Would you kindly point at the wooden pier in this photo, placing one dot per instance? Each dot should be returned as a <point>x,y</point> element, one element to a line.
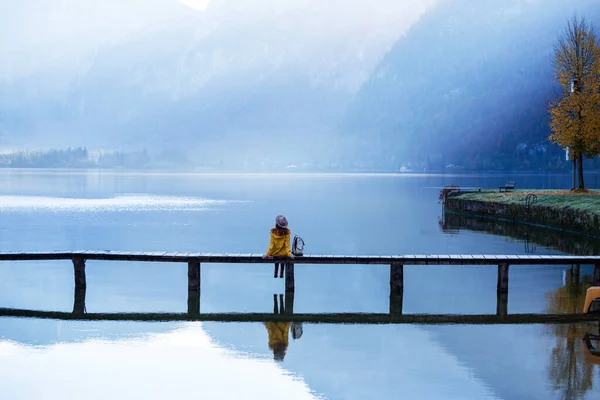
<point>396,265</point>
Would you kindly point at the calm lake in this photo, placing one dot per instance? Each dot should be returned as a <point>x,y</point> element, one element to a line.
<point>232,213</point>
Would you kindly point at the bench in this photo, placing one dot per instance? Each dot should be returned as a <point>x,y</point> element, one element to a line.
<point>508,186</point>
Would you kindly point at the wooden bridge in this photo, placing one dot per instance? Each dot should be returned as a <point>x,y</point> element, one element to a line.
<point>396,265</point>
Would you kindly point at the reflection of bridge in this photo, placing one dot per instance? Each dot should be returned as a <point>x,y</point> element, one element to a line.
<point>395,263</point>
<point>317,318</point>
<point>530,234</point>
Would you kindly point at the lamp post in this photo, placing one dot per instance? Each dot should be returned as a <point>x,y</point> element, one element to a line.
<point>571,155</point>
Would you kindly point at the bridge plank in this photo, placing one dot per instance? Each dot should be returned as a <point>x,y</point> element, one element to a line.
<point>455,259</point>
<point>350,259</point>
<point>420,259</point>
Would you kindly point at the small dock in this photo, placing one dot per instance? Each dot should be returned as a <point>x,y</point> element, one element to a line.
<point>395,264</point>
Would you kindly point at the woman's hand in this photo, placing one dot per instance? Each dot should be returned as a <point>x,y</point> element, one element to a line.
<point>292,256</point>
<point>266,257</point>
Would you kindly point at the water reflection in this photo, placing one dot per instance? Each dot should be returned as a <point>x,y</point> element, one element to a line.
<point>530,235</point>
<point>591,343</point>
<point>325,360</point>
<point>278,331</point>
<point>569,370</point>
<point>575,348</point>
<point>65,370</point>
<point>79,300</point>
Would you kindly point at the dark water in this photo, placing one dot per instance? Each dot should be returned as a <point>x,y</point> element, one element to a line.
<point>336,214</point>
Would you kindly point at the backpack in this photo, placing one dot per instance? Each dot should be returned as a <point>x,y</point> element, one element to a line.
<point>298,246</point>
<point>297,330</point>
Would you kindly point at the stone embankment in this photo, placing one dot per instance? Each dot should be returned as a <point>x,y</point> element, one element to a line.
<point>573,212</point>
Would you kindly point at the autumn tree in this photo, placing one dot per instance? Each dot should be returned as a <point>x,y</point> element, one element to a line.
<point>575,114</point>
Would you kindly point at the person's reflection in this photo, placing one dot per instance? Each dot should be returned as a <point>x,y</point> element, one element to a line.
<point>279,331</point>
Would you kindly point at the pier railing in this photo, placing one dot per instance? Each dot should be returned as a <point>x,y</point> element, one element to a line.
<point>396,265</point>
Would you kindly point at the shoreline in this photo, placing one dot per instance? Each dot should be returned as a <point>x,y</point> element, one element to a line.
<point>281,171</point>
<point>575,213</point>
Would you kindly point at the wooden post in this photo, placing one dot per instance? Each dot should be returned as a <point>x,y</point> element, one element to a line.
<point>396,288</point>
<point>597,275</point>
<point>502,303</point>
<point>289,302</point>
<point>79,300</point>
<point>290,285</point>
<point>193,287</point>
<point>396,278</point>
<point>79,271</point>
<point>396,300</point>
<point>193,303</point>
<point>503,278</point>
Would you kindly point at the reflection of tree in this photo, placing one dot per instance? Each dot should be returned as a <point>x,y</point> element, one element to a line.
<point>444,227</point>
<point>568,371</point>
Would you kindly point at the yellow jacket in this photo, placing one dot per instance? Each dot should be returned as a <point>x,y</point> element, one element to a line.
<point>279,246</point>
<point>278,333</point>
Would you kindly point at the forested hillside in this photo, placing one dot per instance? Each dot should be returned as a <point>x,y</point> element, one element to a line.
<point>467,86</point>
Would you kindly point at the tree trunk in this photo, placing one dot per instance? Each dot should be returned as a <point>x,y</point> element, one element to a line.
<point>580,162</point>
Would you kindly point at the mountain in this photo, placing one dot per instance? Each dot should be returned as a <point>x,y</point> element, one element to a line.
<point>468,85</point>
<point>238,80</point>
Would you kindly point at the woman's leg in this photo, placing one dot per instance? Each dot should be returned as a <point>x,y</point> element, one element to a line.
<point>276,269</point>
<point>275,304</point>
<point>282,270</point>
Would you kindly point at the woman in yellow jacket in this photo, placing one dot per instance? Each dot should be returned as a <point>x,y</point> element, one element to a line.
<point>279,245</point>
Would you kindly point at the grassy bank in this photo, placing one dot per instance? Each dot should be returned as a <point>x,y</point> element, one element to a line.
<point>588,202</point>
<point>565,210</point>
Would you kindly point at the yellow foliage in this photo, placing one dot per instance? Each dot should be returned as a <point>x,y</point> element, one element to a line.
<point>575,115</point>
<point>575,123</point>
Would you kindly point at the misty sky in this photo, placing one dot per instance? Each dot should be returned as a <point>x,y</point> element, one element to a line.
<point>55,36</point>
<point>137,72</point>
